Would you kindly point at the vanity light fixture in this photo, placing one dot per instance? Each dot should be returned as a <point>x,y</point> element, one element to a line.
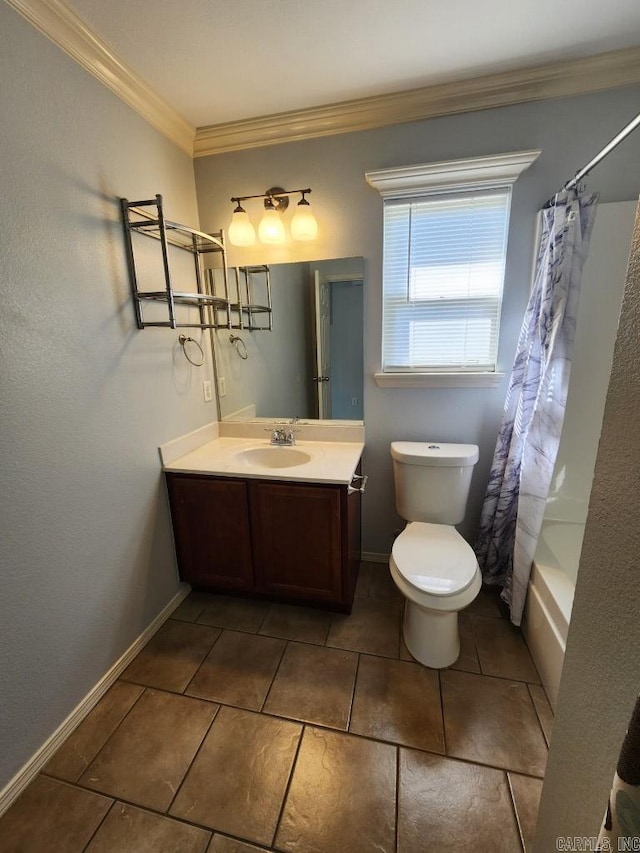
<point>241,231</point>
<point>271,229</point>
<point>303,224</point>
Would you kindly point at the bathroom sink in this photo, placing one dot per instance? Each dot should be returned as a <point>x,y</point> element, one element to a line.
<point>274,457</point>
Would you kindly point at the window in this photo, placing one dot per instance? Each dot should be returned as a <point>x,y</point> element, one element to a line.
<point>444,249</point>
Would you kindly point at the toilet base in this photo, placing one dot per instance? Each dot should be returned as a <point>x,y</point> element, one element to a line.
<point>431,636</point>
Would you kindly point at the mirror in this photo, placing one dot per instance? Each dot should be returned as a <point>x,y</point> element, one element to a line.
<point>310,364</point>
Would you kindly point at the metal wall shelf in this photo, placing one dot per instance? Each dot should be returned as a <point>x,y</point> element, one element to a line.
<point>245,311</point>
<point>147,218</point>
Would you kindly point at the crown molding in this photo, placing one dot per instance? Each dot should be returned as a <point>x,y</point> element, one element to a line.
<point>553,80</point>
<point>59,23</point>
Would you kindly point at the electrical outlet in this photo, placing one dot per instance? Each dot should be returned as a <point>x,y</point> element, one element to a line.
<point>206,391</point>
<point>222,386</point>
<point>354,401</point>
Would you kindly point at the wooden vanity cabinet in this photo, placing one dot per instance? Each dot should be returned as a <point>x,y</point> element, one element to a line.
<point>296,542</point>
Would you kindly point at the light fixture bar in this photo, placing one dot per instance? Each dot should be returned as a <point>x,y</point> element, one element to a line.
<point>240,198</point>
<point>271,229</point>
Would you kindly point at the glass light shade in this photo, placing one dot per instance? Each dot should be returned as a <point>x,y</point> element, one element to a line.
<point>303,224</point>
<point>271,228</point>
<point>241,232</point>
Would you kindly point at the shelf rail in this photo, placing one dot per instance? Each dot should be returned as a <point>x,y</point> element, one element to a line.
<point>146,217</point>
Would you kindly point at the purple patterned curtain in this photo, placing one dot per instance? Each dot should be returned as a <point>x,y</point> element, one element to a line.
<point>528,440</point>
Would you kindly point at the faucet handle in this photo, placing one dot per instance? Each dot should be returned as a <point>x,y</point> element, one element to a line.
<point>289,436</point>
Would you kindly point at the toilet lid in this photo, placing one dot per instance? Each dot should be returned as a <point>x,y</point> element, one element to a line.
<point>434,558</point>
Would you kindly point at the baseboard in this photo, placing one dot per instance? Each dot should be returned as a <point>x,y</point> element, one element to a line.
<point>372,557</point>
<point>16,786</point>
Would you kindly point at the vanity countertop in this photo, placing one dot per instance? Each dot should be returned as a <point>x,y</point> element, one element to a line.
<point>232,456</point>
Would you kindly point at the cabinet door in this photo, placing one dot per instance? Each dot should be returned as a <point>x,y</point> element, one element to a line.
<point>297,541</point>
<point>211,530</point>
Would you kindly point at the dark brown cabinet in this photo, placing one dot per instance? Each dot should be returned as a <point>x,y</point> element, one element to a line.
<point>296,542</point>
<point>211,531</point>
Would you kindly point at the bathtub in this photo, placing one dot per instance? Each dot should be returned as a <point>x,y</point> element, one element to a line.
<point>550,598</point>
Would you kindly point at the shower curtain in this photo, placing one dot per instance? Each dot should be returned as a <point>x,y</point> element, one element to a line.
<point>528,440</point>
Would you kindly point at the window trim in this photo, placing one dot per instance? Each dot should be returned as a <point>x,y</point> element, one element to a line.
<point>496,170</point>
<point>428,179</point>
<point>462,379</point>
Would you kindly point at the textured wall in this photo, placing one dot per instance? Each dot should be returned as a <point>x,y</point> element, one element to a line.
<point>601,676</point>
<point>87,557</point>
<point>350,219</point>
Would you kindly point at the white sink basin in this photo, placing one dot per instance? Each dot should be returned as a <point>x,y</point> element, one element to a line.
<point>274,457</point>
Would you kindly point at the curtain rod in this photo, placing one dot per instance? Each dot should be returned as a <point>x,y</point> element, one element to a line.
<point>602,154</point>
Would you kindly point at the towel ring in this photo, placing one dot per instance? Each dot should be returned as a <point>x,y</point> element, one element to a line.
<point>184,340</point>
<point>239,345</point>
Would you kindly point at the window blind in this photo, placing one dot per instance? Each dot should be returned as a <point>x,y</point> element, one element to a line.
<point>443,273</point>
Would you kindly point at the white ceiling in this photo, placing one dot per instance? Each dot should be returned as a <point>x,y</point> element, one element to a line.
<point>218,61</point>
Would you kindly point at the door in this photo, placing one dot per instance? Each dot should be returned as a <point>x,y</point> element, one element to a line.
<point>322,376</point>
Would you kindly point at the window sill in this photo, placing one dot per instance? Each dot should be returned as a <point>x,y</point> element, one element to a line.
<point>438,380</point>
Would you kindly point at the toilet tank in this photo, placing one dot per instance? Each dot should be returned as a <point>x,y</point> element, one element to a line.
<point>432,480</point>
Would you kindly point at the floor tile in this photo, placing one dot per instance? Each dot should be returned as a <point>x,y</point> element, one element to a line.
<point>381,585</point>
<point>342,796</point>
<point>131,830</point>
<point>468,658</point>
<point>172,656</point>
<point>191,607</point>
<point>147,757</point>
<point>399,702</point>
<point>296,623</point>
<point>526,798</point>
<point>239,614</point>
<point>543,710</point>
<point>314,684</point>
<point>84,743</point>
<point>492,721</point>
<point>238,670</point>
<point>447,806</point>
<point>373,627</point>
<point>502,650</point>
<point>224,844</point>
<point>51,815</point>
<point>364,579</point>
<point>486,603</point>
<point>239,778</point>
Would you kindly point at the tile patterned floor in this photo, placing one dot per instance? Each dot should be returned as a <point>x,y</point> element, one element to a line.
<point>245,726</point>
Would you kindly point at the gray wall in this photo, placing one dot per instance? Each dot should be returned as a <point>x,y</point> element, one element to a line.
<point>349,212</point>
<point>86,398</point>
<point>601,676</point>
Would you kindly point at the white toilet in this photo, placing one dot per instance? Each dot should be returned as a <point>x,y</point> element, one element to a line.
<point>431,564</point>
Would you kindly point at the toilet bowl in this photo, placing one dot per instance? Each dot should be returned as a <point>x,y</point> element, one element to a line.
<point>437,573</point>
<point>431,564</point>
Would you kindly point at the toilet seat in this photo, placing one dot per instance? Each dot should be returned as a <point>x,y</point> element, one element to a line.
<point>434,559</point>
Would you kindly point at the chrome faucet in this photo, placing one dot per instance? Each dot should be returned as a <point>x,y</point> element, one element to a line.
<point>283,437</point>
